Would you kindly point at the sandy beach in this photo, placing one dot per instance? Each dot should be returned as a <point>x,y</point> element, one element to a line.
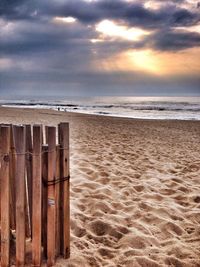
<point>135,189</point>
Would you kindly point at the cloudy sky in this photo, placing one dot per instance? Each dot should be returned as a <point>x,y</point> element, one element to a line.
<point>59,48</point>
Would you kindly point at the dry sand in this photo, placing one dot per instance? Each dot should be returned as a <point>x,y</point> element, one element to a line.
<point>135,189</point>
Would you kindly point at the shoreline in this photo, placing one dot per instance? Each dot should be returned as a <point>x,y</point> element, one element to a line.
<point>98,115</point>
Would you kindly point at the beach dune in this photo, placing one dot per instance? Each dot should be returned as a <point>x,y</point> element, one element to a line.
<point>135,189</point>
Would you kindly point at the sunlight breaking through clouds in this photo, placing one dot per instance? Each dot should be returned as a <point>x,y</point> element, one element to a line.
<point>111,29</point>
<point>159,64</point>
<point>145,60</point>
<point>64,19</point>
<point>195,28</point>
<point>157,4</point>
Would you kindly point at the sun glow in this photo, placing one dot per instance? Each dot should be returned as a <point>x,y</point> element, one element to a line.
<point>94,41</point>
<point>154,62</point>
<point>64,19</point>
<point>111,29</point>
<point>164,63</point>
<point>153,4</point>
<point>145,60</point>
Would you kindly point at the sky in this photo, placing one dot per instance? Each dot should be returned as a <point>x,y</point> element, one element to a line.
<point>60,48</point>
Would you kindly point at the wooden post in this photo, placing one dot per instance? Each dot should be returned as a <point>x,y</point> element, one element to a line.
<point>57,197</point>
<point>5,193</point>
<point>29,150</point>
<point>44,197</point>
<point>12,181</point>
<point>19,139</point>
<point>64,190</point>
<point>51,214</point>
<point>46,134</point>
<point>37,196</point>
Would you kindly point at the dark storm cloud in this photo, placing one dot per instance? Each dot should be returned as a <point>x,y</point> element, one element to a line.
<point>133,13</point>
<point>172,40</point>
<point>39,33</point>
<point>13,10</point>
<point>37,37</point>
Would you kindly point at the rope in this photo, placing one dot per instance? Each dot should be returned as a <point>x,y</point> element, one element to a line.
<point>55,181</point>
<point>2,155</point>
<point>6,157</point>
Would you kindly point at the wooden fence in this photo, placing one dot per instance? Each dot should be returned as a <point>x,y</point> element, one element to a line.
<point>34,194</point>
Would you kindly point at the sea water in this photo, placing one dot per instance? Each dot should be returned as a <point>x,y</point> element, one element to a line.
<point>179,108</point>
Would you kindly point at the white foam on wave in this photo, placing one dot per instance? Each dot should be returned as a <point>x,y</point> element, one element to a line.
<point>187,108</point>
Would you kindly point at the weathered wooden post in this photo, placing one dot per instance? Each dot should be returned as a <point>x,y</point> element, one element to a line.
<point>51,211</point>
<point>44,197</point>
<point>12,164</point>
<point>5,195</point>
<point>37,196</point>
<point>29,181</point>
<point>64,190</point>
<point>57,198</point>
<point>19,140</point>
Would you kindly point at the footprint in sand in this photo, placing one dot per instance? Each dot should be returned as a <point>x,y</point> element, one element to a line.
<point>99,227</point>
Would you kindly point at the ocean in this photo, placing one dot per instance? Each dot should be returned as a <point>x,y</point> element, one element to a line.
<point>164,108</point>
